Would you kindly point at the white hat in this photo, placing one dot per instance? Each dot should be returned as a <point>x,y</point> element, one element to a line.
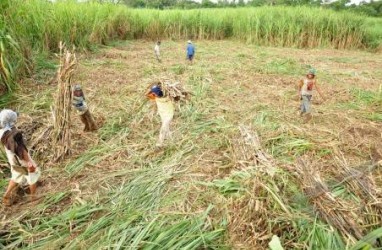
<point>8,119</point>
<point>189,41</point>
<point>77,87</point>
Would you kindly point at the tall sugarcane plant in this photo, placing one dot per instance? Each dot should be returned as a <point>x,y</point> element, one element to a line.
<point>7,72</point>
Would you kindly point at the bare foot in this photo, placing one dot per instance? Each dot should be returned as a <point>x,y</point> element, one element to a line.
<point>7,201</point>
<point>308,117</point>
<point>32,198</point>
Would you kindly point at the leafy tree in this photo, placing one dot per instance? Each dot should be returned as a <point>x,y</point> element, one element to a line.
<point>135,3</point>
<point>374,8</point>
<point>207,4</point>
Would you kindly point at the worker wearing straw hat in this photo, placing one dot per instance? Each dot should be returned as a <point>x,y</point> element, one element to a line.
<point>190,51</point>
<point>165,110</point>
<point>305,93</point>
<point>23,168</point>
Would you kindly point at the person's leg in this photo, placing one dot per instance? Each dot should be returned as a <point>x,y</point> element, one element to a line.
<point>84,121</point>
<point>167,129</point>
<point>308,117</point>
<point>91,125</point>
<point>302,106</point>
<point>164,132</point>
<point>32,189</point>
<point>161,136</point>
<point>7,196</point>
<point>32,179</point>
<point>307,108</point>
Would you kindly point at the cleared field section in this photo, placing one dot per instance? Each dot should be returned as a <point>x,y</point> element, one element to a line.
<point>315,187</point>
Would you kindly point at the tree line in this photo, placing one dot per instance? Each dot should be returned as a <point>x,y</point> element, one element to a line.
<point>373,8</point>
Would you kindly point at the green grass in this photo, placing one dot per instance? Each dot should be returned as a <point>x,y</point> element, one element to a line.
<point>373,37</point>
<point>90,158</point>
<point>128,216</point>
<point>369,240</point>
<point>7,99</point>
<point>368,97</point>
<point>375,117</point>
<point>283,66</point>
<point>364,100</point>
<point>288,146</point>
<point>178,69</point>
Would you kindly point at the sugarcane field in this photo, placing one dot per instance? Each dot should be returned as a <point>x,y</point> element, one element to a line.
<point>121,132</point>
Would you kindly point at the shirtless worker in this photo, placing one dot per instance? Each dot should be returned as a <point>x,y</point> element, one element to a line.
<point>305,93</point>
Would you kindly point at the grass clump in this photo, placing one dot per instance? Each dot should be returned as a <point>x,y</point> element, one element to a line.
<point>130,218</point>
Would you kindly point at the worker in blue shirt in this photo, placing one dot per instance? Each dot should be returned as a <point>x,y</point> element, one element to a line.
<point>190,51</point>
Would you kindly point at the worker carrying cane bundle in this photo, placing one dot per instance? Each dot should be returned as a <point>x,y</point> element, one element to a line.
<point>165,95</point>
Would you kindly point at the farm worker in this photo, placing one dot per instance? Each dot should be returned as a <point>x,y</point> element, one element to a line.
<point>190,51</point>
<point>157,51</point>
<point>165,110</point>
<point>23,169</point>
<point>80,105</point>
<point>305,92</point>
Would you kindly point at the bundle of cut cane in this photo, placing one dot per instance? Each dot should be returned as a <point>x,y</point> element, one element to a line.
<point>363,185</point>
<point>336,212</point>
<point>62,107</point>
<point>173,90</point>
<point>251,152</point>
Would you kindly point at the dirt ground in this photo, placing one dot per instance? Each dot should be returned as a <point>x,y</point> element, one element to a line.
<point>232,84</point>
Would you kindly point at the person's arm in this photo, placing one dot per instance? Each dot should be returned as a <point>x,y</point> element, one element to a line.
<point>28,159</point>
<point>300,84</point>
<point>319,90</point>
<point>22,153</point>
<point>30,164</point>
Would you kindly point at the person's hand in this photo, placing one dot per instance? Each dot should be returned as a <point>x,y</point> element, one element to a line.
<point>31,167</point>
